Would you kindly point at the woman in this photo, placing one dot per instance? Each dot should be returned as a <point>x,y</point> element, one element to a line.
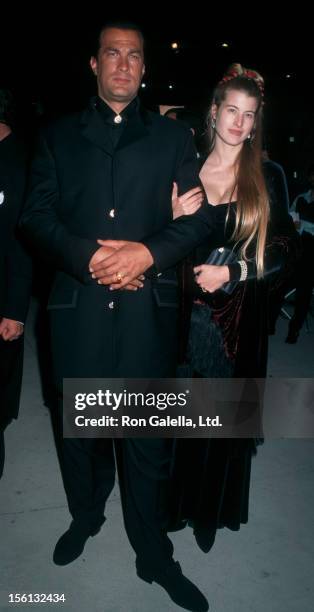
<point>228,330</point>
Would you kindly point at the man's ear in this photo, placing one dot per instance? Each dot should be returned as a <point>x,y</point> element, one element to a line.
<point>143,70</point>
<point>93,64</point>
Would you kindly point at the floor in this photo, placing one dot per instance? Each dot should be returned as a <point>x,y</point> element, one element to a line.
<point>268,565</point>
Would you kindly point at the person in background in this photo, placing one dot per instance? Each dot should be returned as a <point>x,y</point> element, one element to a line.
<point>15,268</point>
<point>278,289</point>
<point>191,120</point>
<point>303,207</point>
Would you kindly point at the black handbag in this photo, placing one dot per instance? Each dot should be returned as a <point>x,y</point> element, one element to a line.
<point>223,256</point>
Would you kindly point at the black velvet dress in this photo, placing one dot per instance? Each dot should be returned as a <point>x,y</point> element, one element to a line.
<point>228,337</point>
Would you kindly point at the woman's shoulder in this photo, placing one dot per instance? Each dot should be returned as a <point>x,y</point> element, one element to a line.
<point>272,170</point>
<point>276,184</point>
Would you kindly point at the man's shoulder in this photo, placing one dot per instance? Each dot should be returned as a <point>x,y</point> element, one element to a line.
<point>166,125</point>
<point>272,169</point>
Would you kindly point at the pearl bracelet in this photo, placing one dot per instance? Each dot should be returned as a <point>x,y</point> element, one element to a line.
<point>244,270</point>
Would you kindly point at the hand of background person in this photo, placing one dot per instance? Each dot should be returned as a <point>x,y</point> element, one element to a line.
<point>210,278</point>
<point>124,266</point>
<point>10,329</point>
<point>188,203</point>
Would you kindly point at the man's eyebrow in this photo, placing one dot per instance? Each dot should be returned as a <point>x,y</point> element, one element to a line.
<point>131,50</point>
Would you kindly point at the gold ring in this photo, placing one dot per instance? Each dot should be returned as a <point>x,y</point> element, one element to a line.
<point>119,277</point>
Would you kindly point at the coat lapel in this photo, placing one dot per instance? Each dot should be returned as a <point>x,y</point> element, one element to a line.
<point>92,127</point>
<point>136,129</point>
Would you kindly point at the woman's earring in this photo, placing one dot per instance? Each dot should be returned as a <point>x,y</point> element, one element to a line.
<point>213,123</point>
<point>249,137</point>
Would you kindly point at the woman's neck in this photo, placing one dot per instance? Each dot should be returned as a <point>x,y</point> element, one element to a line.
<point>224,155</point>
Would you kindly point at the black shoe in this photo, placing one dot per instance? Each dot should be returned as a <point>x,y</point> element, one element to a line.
<point>205,537</point>
<point>292,336</point>
<point>96,526</point>
<point>179,588</point>
<point>71,544</point>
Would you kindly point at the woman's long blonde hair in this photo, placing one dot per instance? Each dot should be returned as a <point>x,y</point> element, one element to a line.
<point>252,213</point>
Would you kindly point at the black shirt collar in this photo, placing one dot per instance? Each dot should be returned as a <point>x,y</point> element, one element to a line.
<point>109,115</point>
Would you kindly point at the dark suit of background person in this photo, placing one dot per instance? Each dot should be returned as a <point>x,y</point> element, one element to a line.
<point>95,178</point>
<point>15,271</point>
<point>304,281</point>
<point>277,184</point>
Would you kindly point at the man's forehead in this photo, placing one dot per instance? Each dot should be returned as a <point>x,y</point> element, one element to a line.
<point>113,37</point>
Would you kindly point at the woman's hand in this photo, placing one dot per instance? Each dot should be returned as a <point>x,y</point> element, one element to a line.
<point>188,203</point>
<point>210,278</point>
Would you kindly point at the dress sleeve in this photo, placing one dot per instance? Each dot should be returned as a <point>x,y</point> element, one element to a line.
<point>283,242</point>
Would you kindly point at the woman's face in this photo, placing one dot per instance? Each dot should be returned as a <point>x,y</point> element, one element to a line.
<point>235,117</point>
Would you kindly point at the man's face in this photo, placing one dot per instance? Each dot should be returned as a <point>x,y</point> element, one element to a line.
<point>119,66</point>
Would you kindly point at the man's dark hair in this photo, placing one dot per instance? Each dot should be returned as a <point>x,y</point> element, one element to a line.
<point>119,25</point>
<point>310,170</point>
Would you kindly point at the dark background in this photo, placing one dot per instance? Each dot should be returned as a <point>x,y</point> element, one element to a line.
<point>45,54</point>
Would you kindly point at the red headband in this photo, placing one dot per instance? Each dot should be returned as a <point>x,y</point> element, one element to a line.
<point>236,70</point>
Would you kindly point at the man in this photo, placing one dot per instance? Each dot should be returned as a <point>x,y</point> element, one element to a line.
<point>108,173</point>
<point>15,273</point>
<point>303,205</point>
